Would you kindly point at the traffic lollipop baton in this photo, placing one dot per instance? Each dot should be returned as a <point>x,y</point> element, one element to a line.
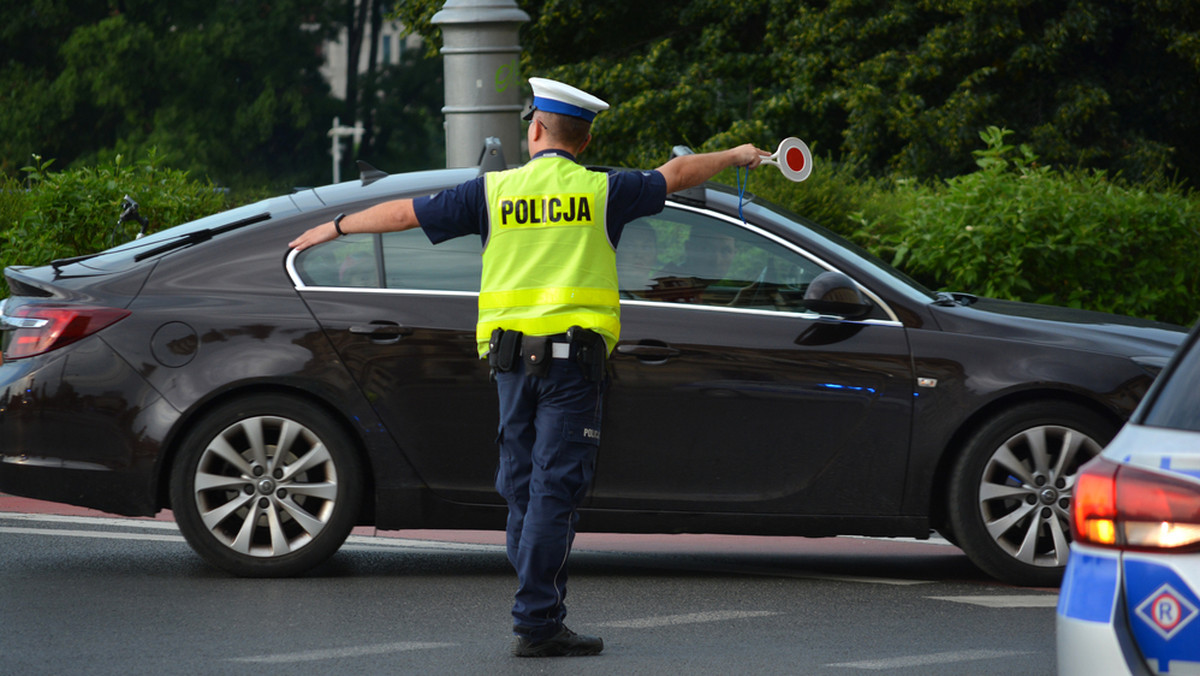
<point>793,158</point>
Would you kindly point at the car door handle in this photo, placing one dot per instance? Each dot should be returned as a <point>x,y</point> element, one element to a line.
<point>648,352</point>
<point>381,330</point>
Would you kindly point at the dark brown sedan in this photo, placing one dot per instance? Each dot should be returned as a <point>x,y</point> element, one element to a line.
<point>770,379</point>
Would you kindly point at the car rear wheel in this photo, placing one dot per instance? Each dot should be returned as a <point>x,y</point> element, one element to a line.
<point>1011,489</point>
<point>266,486</point>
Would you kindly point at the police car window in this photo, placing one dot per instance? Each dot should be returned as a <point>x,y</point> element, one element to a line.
<point>349,261</point>
<point>680,256</point>
<point>411,262</point>
<point>1177,404</point>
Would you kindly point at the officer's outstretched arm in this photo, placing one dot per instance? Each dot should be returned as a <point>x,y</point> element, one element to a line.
<point>688,171</point>
<point>386,217</point>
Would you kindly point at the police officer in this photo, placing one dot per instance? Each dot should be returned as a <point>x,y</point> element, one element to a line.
<point>549,315</point>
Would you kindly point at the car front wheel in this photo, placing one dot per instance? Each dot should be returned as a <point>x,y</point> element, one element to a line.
<point>1011,489</point>
<point>266,486</point>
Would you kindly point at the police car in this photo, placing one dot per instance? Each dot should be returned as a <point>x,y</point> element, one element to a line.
<point>1130,600</point>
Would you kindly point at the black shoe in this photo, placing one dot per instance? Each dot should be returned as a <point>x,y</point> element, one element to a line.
<point>565,643</point>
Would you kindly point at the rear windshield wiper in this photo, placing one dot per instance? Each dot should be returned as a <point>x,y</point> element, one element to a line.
<point>183,240</point>
<point>201,236</point>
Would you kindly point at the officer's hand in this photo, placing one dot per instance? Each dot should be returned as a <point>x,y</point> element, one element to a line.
<point>749,156</point>
<point>324,232</point>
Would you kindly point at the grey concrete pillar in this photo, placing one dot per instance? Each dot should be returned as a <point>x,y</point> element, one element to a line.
<point>481,56</point>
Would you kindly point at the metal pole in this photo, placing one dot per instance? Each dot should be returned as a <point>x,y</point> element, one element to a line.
<point>482,72</point>
<point>336,132</point>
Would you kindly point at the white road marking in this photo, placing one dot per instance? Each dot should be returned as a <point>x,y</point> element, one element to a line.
<point>688,618</point>
<point>933,658</point>
<point>374,543</point>
<point>61,532</point>
<point>340,653</point>
<point>866,580</point>
<point>1009,601</point>
<point>366,542</point>
<point>90,520</point>
<point>354,542</point>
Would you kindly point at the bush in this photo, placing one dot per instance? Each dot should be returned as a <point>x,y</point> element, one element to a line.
<point>54,215</point>
<point>832,193</point>
<point>1017,230</point>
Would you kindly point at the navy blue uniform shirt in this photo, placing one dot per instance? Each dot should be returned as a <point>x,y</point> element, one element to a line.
<point>462,210</point>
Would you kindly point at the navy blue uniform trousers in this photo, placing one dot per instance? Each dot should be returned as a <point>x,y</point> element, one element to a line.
<point>548,439</point>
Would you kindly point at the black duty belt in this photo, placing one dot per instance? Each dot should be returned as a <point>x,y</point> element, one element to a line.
<point>584,346</point>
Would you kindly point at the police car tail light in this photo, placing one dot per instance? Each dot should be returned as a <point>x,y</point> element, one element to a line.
<point>1094,510</point>
<point>34,329</point>
<point>1133,508</point>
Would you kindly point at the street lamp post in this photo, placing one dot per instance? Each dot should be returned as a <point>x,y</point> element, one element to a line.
<point>483,83</point>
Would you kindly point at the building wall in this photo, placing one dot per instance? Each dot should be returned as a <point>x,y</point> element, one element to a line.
<point>392,47</point>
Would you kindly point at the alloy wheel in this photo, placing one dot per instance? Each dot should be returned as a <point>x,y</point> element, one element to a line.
<point>1025,492</point>
<point>266,486</point>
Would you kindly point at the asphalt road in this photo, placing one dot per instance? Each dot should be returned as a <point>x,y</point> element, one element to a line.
<point>82,594</point>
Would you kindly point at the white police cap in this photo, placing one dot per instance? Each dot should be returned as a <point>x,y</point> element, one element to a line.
<point>556,97</point>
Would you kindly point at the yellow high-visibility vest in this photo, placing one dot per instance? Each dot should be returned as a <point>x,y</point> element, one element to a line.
<point>548,264</point>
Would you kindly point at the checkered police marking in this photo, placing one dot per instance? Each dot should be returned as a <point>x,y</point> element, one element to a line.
<point>1166,611</point>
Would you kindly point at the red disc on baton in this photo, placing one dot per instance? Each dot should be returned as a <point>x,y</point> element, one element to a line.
<point>793,158</point>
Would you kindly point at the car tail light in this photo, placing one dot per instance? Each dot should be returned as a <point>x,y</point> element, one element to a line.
<point>1131,508</point>
<point>38,328</point>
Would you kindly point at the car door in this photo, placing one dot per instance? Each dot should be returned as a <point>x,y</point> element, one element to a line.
<point>729,396</point>
<point>726,396</point>
<point>401,313</point>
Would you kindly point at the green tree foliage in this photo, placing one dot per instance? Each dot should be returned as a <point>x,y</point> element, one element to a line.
<point>901,86</point>
<point>48,214</point>
<point>1095,83</point>
<point>407,100</point>
<point>1021,230</point>
<point>1103,89</point>
<point>230,90</point>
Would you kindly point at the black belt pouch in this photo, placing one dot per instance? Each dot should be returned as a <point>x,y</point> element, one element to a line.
<point>591,352</point>
<point>504,348</point>
<point>536,350</point>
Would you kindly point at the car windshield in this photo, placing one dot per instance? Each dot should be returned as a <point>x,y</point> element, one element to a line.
<point>1177,402</point>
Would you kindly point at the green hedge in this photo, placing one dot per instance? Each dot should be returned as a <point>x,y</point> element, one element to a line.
<point>51,215</point>
<point>1019,230</point>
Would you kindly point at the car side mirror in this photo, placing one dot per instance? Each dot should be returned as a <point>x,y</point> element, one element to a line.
<point>833,293</point>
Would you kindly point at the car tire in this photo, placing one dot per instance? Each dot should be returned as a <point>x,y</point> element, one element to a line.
<point>266,486</point>
<point>1010,490</point>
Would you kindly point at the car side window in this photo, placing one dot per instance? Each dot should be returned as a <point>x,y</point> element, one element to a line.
<point>410,261</point>
<point>680,256</point>
<point>349,261</point>
<point>676,256</point>
<point>1177,405</point>
<point>402,260</point>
